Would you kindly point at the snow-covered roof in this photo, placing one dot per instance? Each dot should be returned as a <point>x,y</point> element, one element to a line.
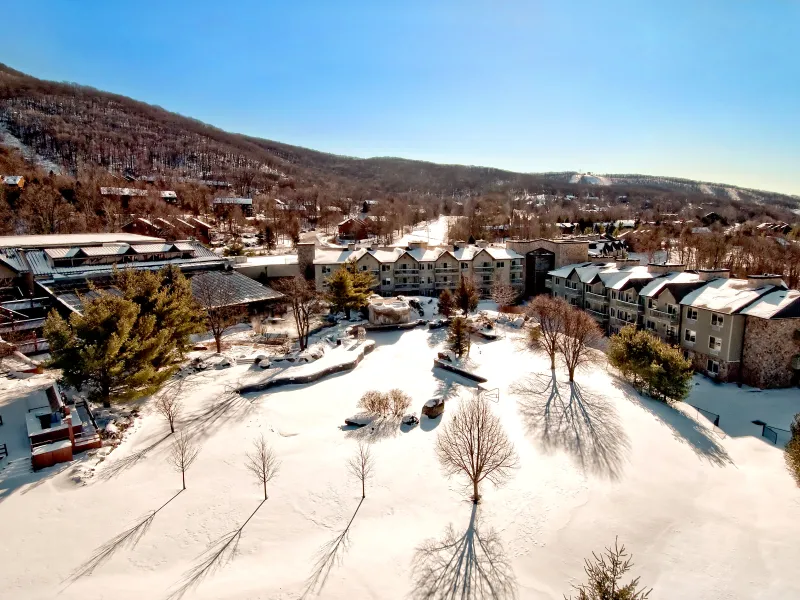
<point>169,194</point>
<point>566,270</point>
<point>12,179</point>
<point>237,201</point>
<point>653,288</point>
<point>281,259</point>
<point>726,296</point>
<point>117,191</point>
<point>778,304</point>
<point>502,253</point>
<point>72,239</point>
<point>425,254</point>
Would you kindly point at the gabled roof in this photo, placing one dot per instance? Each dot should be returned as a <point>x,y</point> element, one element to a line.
<point>117,191</point>
<point>169,194</point>
<point>12,179</point>
<point>777,304</point>
<point>727,296</point>
<point>502,253</point>
<point>653,289</point>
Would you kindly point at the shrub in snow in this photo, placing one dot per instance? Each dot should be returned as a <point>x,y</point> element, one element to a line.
<point>374,403</point>
<point>399,402</point>
<point>793,450</point>
<point>604,573</point>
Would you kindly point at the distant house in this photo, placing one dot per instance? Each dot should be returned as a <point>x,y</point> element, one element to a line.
<point>123,194</point>
<point>14,180</point>
<point>353,229</point>
<point>169,196</point>
<point>141,226</point>
<point>202,230</point>
<point>225,204</point>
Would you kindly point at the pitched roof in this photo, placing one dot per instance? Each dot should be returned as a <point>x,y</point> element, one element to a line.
<point>169,194</point>
<point>727,296</point>
<point>655,286</point>
<point>243,289</point>
<point>117,191</point>
<point>237,201</point>
<point>777,304</point>
<point>72,239</point>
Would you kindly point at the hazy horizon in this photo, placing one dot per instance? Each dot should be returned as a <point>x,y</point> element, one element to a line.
<point>698,92</point>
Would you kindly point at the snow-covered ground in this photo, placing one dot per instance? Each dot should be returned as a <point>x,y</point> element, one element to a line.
<point>708,514</point>
<point>433,232</point>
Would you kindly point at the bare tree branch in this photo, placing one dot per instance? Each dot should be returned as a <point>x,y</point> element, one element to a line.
<point>182,454</point>
<point>361,465</point>
<point>262,462</point>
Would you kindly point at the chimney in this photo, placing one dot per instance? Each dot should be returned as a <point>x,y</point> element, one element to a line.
<point>709,274</point>
<point>657,269</point>
<point>480,243</point>
<point>757,281</point>
<point>351,246</point>
<point>305,259</point>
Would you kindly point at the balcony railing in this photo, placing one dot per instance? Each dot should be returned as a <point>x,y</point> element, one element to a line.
<point>596,297</point>
<point>572,292</point>
<point>447,269</point>
<point>629,305</point>
<point>597,314</point>
<point>406,286</point>
<point>483,269</point>
<point>631,320</point>
<point>445,284</point>
<point>400,271</point>
<point>714,351</point>
<point>548,283</point>
<point>516,267</point>
<point>663,316</point>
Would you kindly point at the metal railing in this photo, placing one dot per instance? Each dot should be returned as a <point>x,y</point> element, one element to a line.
<point>597,297</point>
<point>572,292</point>
<point>663,316</point>
<point>483,269</point>
<point>516,267</point>
<point>446,269</point>
<point>596,313</point>
<point>772,433</point>
<point>713,417</point>
<point>400,272</point>
<point>630,305</point>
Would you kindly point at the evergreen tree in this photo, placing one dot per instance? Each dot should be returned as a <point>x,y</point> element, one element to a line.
<point>650,364</point>
<point>339,291</point>
<point>458,338</point>
<point>100,349</point>
<point>466,295</point>
<point>446,303</point>
<point>269,238</point>
<point>604,573</point>
<point>168,313</point>
<point>362,282</point>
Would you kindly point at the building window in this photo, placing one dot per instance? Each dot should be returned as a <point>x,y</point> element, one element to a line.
<point>716,320</point>
<point>712,367</point>
<point>558,281</point>
<point>501,264</point>
<point>651,325</point>
<point>430,280</point>
<point>326,270</point>
<point>613,295</point>
<point>430,266</point>
<point>691,314</point>
<point>464,265</point>
<point>613,313</point>
<point>363,267</point>
<point>651,304</point>
<point>386,267</point>
<point>690,336</point>
<point>714,343</point>
<point>387,282</point>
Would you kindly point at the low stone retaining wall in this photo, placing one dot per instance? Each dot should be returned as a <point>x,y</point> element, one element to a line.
<point>393,327</point>
<point>311,377</point>
<point>443,364</point>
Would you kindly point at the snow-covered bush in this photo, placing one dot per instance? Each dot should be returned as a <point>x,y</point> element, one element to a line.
<point>399,402</point>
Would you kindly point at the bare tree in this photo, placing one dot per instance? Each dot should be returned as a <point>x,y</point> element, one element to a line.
<point>474,443</point>
<point>169,405</point>
<point>182,454</point>
<point>216,292</point>
<point>262,462</point>
<point>580,332</point>
<point>503,294</point>
<point>361,465</point>
<point>304,299</point>
<point>549,314</point>
<point>604,574</point>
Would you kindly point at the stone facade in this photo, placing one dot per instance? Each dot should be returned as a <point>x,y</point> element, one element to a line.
<point>728,370</point>
<point>769,347</point>
<point>566,252</point>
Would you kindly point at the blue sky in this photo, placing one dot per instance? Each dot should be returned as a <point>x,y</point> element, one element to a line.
<point>701,89</point>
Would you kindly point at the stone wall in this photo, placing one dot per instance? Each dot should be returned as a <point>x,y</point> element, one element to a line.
<point>305,258</point>
<point>728,371</point>
<point>769,347</point>
<point>566,252</point>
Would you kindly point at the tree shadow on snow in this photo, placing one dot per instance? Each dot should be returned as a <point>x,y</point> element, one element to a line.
<point>228,406</point>
<point>116,467</point>
<point>127,539</point>
<point>684,429</point>
<point>329,555</point>
<point>566,418</point>
<point>437,337</point>
<point>379,429</point>
<point>218,554</point>
<point>469,566</point>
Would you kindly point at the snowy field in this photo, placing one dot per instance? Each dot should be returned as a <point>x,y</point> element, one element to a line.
<point>708,514</point>
<point>433,232</point>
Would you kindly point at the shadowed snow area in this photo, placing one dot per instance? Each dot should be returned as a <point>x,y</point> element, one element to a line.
<point>707,512</point>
